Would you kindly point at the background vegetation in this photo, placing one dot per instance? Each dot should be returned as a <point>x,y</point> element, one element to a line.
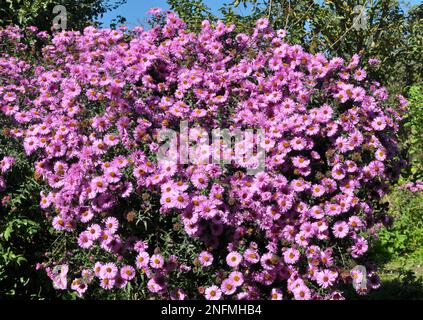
<point>39,13</point>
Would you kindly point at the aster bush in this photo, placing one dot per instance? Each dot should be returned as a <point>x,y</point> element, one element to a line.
<point>91,109</point>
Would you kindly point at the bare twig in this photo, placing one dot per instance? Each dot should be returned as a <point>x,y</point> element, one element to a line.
<point>270,9</point>
<point>298,20</point>
<point>341,37</point>
<point>287,15</point>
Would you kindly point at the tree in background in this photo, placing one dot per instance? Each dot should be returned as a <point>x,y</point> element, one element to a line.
<point>39,13</point>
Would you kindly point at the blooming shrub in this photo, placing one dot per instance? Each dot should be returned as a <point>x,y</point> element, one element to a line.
<point>91,109</point>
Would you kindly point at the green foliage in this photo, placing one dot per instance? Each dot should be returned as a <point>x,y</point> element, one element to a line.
<point>413,135</point>
<point>191,12</point>
<point>406,234</point>
<point>23,237</point>
<point>39,13</point>
<point>23,230</point>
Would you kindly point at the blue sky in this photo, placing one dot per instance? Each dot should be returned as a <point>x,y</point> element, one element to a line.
<point>135,10</point>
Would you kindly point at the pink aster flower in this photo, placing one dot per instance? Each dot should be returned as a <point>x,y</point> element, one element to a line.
<point>285,203</point>
<point>178,294</point>
<point>108,270</point>
<point>154,286</point>
<point>338,173</point>
<point>120,282</point>
<point>45,202</point>
<point>86,215</point>
<point>156,261</point>
<point>154,11</point>
<point>107,283</point>
<point>360,74</point>
<point>317,212</point>
<point>332,209</point>
<point>6,163</point>
<point>140,246</point>
<point>237,278</point>
<point>317,190</point>
<point>291,255</point>
<point>213,293</point>
<point>357,276</point>
<point>379,123</point>
<point>326,278</point>
<point>207,210</point>
<point>380,154</point>
<point>374,280</point>
<point>84,241</point>
<point>302,293</point>
<point>126,189</point>
<point>298,185</point>
<point>9,96</point>
<point>30,145</point>
<point>97,269</point>
<point>98,185</point>
<point>276,294</point>
<point>233,259</point>
<point>59,223</point>
<point>251,256</point>
<point>300,162</point>
<point>181,200</point>
<point>142,260</point>
<point>266,261</point>
<point>112,175</point>
<point>94,232</point>
<point>206,258</point>
<point>228,287</point>
<point>355,222</point>
<point>262,23</point>
<point>340,229</point>
<point>127,272</point>
<point>298,143</point>
<point>111,140</point>
<point>111,224</point>
<point>359,248</point>
<point>200,181</point>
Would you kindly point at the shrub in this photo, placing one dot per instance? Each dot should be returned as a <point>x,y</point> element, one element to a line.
<point>412,138</point>
<point>91,112</point>
<point>406,233</point>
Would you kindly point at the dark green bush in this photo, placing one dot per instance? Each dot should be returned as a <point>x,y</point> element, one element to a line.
<point>406,234</point>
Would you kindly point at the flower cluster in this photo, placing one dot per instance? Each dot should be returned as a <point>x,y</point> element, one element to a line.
<point>412,186</point>
<point>90,110</point>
